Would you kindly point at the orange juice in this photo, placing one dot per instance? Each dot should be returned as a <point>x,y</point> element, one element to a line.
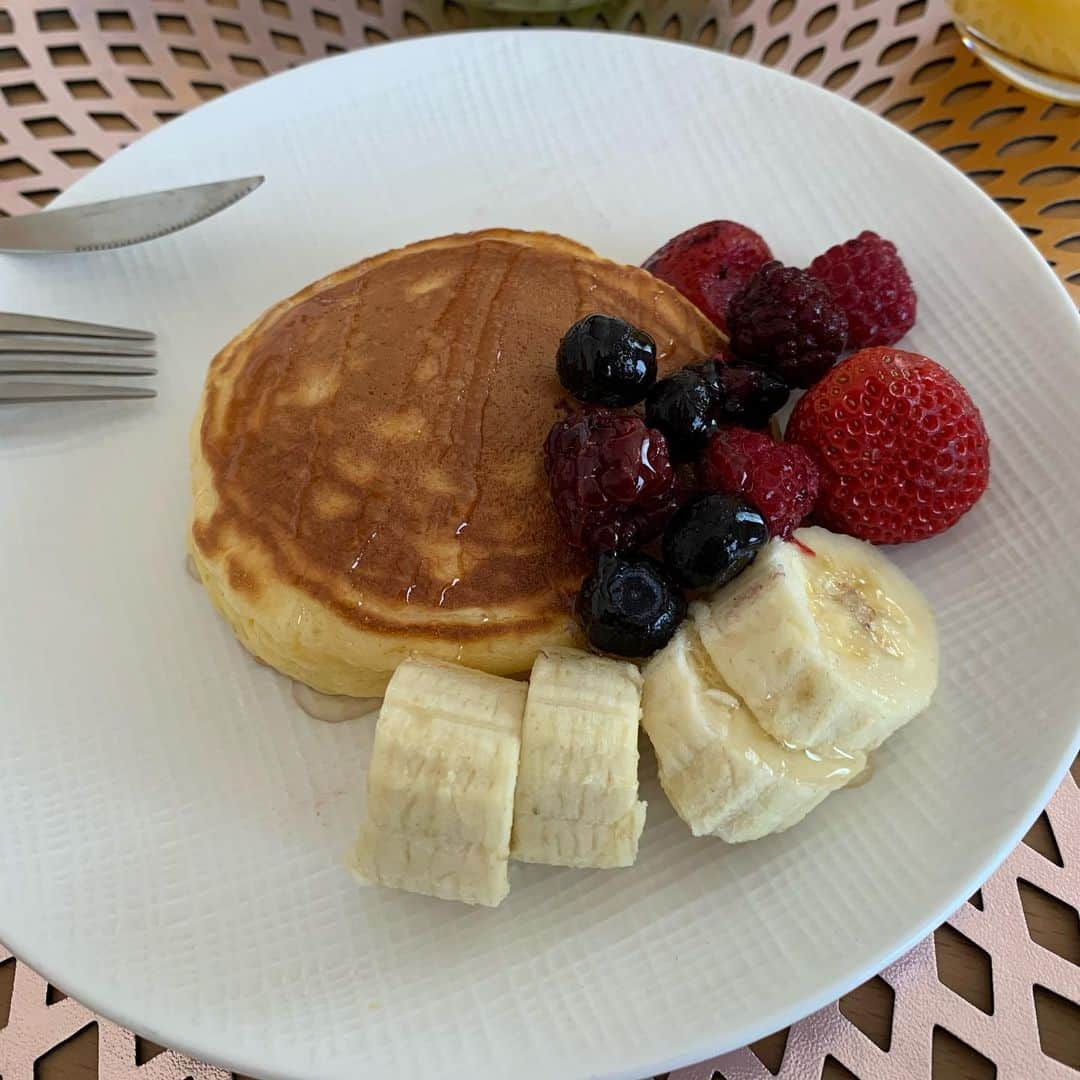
<point>1042,36</point>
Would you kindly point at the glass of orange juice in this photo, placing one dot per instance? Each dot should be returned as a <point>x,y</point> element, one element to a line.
<point>1033,43</point>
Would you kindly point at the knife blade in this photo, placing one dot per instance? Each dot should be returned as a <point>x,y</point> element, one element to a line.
<point>43,325</point>
<point>120,222</point>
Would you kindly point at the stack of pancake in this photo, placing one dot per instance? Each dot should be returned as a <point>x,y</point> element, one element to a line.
<point>367,460</point>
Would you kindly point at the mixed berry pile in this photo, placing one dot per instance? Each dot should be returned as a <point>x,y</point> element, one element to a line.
<point>884,445</point>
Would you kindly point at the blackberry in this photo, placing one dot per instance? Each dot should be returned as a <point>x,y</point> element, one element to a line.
<point>787,322</point>
<point>743,395</point>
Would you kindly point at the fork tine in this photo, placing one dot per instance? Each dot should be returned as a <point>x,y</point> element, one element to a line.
<point>69,347</point>
<point>17,393</point>
<point>11,323</point>
<point>31,366</point>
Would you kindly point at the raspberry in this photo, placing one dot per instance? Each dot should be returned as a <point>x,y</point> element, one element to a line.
<point>787,322</point>
<point>611,480</point>
<point>709,263</point>
<point>871,284</point>
<point>903,449</point>
<point>782,481</point>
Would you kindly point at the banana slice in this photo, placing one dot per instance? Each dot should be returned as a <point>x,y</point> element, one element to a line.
<point>576,801</point>
<point>604,845</point>
<point>825,641</point>
<point>723,773</point>
<point>441,783</point>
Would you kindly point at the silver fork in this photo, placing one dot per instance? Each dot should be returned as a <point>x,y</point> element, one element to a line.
<point>34,345</point>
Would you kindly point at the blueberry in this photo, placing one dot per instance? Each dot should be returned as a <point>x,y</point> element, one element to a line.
<point>683,407</point>
<point>744,395</point>
<point>629,606</point>
<point>712,539</point>
<point>606,361</point>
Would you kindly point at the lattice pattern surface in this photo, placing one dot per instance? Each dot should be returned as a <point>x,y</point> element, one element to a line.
<point>1008,1036</point>
<point>38,1024</point>
<point>82,78</point>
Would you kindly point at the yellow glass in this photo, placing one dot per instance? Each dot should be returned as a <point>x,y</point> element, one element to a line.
<point>1033,43</point>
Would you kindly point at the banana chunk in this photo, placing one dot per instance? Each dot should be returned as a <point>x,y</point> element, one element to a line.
<point>441,783</point>
<point>577,791</point>
<point>579,843</point>
<point>723,773</point>
<point>430,866</point>
<point>825,641</point>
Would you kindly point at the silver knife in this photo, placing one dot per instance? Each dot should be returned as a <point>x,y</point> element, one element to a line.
<point>120,222</point>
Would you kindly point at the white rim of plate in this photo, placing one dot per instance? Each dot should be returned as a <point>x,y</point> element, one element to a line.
<point>707,1047</point>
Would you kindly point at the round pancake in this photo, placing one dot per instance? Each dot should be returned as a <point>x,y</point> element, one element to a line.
<point>367,460</point>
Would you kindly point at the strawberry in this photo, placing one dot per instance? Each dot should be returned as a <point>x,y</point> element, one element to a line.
<point>781,481</point>
<point>902,447</point>
<point>709,263</point>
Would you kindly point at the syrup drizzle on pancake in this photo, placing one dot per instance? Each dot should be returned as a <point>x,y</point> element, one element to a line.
<point>378,440</point>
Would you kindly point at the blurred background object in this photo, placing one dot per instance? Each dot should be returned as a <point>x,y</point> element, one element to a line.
<point>1034,43</point>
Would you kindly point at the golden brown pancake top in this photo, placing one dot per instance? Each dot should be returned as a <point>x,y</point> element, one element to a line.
<point>381,437</point>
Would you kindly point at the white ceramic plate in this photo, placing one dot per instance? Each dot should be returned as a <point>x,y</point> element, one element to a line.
<point>171,824</point>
